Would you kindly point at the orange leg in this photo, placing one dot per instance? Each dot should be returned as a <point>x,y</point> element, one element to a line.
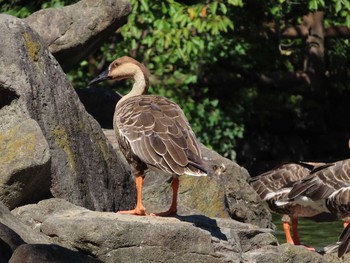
<point>296,235</point>
<point>139,209</point>
<point>345,223</point>
<point>286,229</point>
<point>295,231</point>
<point>173,208</point>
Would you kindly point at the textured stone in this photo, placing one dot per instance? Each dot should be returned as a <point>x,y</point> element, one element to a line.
<point>43,253</point>
<point>9,241</point>
<point>24,164</point>
<point>75,31</point>
<point>15,232</point>
<point>112,237</point>
<point>84,168</point>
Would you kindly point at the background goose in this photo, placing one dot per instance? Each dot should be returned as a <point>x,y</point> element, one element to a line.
<point>344,241</point>
<point>152,132</point>
<point>274,186</point>
<point>329,189</point>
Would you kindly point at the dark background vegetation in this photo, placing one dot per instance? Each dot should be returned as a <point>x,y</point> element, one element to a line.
<point>261,82</point>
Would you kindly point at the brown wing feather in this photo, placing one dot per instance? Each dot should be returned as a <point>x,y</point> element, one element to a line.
<point>344,241</point>
<point>280,177</point>
<point>159,134</point>
<point>339,202</point>
<point>322,183</point>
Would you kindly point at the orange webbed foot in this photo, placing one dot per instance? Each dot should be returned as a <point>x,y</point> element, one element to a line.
<point>139,211</point>
<point>308,247</point>
<point>166,213</point>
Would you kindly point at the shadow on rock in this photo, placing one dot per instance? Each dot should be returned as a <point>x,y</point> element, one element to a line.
<point>41,253</point>
<point>205,223</point>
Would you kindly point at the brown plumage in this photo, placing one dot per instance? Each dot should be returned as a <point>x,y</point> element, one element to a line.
<point>152,131</point>
<point>330,189</point>
<point>274,186</point>
<point>344,241</point>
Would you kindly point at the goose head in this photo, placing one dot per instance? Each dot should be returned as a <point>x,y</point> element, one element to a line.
<point>126,68</point>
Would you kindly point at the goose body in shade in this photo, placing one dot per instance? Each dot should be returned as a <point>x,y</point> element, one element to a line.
<point>274,186</point>
<point>152,132</point>
<point>330,189</point>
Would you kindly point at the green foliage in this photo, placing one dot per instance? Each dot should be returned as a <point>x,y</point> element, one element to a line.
<point>175,41</point>
<point>16,7</point>
<point>207,55</point>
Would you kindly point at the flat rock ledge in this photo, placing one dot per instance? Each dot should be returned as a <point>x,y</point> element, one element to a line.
<point>55,230</point>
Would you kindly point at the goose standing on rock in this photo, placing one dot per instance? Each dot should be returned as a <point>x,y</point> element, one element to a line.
<point>152,132</point>
<point>274,186</point>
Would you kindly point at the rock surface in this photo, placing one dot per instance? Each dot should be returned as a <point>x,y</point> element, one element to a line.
<point>24,164</point>
<point>72,32</point>
<point>110,237</point>
<point>84,167</point>
<point>41,253</point>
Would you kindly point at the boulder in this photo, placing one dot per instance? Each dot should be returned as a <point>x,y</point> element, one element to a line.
<point>84,167</point>
<point>24,163</point>
<point>75,31</point>
<point>14,232</point>
<point>9,241</point>
<point>14,236</point>
<point>42,253</point>
<point>112,237</point>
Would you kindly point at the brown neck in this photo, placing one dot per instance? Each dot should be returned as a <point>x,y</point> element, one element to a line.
<point>140,78</point>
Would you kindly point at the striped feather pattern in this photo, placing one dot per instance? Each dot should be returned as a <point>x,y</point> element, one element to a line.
<point>158,133</point>
<point>324,182</point>
<point>344,241</point>
<point>274,186</point>
<point>332,186</point>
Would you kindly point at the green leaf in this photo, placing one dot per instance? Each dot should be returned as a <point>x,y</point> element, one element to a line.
<point>313,5</point>
<point>235,2</point>
<point>347,20</point>
<point>223,8</point>
<point>213,7</point>
<point>144,4</point>
<point>338,6</point>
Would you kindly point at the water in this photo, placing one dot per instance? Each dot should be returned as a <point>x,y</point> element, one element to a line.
<point>316,235</point>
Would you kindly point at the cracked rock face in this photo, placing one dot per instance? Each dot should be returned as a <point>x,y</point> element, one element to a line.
<point>72,32</point>
<point>111,237</point>
<point>25,164</point>
<point>49,132</point>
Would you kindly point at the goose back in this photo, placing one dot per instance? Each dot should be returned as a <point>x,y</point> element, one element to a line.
<point>274,185</point>
<point>154,131</point>
<point>344,241</point>
<point>339,202</point>
<point>323,182</point>
<point>284,175</point>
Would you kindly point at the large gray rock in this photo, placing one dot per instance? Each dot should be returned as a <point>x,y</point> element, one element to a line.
<point>24,163</point>
<point>9,241</point>
<point>75,31</point>
<point>112,237</point>
<point>14,236</point>
<point>14,232</point>
<point>42,253</point>
<point>84,168</point>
